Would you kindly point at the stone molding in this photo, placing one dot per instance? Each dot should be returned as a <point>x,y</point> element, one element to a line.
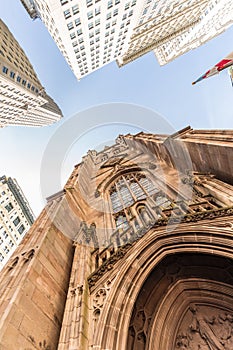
<point>190,218</point>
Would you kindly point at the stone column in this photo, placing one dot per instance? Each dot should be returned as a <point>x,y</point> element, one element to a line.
<point>75,326</point>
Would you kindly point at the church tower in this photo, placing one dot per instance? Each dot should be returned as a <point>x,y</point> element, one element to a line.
<point>135,253</point>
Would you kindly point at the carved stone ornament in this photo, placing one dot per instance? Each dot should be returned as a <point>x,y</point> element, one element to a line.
<point>99,298</point>
<point>122,250</point>
<point>78,290</point>
<point>205,328</point>
<point>121,140</point>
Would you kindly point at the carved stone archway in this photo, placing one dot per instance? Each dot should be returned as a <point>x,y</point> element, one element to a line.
<point>184,304</point>
<point>201,317</point>
<point>136,267</point>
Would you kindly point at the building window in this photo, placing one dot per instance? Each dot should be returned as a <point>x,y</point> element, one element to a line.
<point>109,15</point>
<point>11,244</point>
<point>16,221</point>
<point>115,12</point>
<point>6,249</point>
<point>24,82</point>
<point>110,4</point>
<point>9,207</point>
<point>121,221</point>
<point>63,2</point>
<point>145,11</point>
<point>79,31</point>
<point>90,14</point>
<point>70,25</point>
<point>89,3</point>
<point>12,75</point>
<point>28,85</point>
<point>67,14</point>
<point>97,11</point>
<point>77,22</point>
<point>5,234</point>
<point>75,9</point>
<point>72,36</point>
<point>90,25</point>
<point>4,69</point>
<point>21,229</point>
<point>97,22</point>
<point>129,189</point>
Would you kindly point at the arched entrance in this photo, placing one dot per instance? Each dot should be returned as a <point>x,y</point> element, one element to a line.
<point>194,260</point>
<point>185,303</point>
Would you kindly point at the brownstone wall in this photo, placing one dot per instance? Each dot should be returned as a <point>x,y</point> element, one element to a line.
<point>33,292</point>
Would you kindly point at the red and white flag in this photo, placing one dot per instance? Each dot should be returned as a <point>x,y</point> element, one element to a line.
<point>225,63</point>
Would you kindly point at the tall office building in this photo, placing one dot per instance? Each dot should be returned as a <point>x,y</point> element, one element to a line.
<point>171,27</point>
<point>23,99</point>
<point>16,217</point>
<point>134,254</point>
<point>89,33</point>
<point>92,33</point>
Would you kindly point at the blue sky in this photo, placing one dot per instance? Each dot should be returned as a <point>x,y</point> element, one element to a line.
<point>166,90</point>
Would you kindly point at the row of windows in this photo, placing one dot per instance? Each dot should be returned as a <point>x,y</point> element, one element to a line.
<point>77,22</point>
<point>110,14</point>
<point>24,82</point>
<point>19,61</point>
<point>91,14</point>
<point>67,13</point>
<point>88,2</point>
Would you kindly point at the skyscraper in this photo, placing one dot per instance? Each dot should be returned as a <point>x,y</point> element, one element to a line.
<point>135,253</point>
<point>16,217</point>
<point>170,27</point>
<point>92,33</point>
<point>23,99</point>
<point>89,33</point>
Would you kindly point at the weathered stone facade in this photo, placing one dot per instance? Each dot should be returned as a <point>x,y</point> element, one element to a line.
<point>134,254</point>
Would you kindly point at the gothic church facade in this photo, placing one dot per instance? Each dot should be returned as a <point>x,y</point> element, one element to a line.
<point>135,253</point>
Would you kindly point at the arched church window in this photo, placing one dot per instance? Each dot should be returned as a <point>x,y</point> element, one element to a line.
<point>127,190</point>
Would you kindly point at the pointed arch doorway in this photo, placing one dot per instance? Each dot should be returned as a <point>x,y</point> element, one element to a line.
<point>185,303</point>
